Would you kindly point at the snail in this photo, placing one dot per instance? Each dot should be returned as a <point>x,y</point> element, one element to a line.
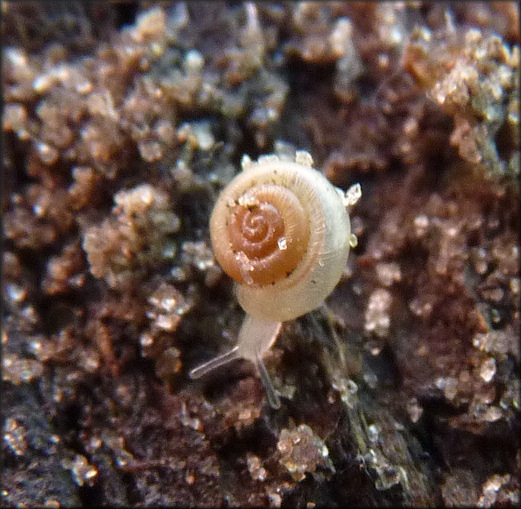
<point>281,230</point>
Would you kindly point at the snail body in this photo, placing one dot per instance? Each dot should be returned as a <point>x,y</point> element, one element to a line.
<point>281,230</point>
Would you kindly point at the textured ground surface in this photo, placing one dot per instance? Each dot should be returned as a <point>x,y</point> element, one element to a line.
<point>122,122</point>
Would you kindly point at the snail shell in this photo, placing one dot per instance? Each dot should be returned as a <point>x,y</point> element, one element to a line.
<point>280,229</point>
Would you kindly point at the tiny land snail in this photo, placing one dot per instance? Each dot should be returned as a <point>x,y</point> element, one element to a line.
<point>281,230</point>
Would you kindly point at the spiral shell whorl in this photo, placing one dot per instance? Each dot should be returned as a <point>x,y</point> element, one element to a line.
<point>268,233</point>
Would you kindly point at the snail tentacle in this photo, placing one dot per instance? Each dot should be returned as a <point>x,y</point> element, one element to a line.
<point>216,362</point>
